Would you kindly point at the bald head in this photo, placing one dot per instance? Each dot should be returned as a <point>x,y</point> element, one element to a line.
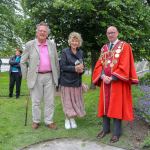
<point>112,28</point>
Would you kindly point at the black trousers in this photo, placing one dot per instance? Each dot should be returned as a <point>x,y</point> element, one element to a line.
<point>15,78</point>
<point>116,125</point>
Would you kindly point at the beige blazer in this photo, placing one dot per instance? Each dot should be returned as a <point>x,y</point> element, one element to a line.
<point>30,62</point>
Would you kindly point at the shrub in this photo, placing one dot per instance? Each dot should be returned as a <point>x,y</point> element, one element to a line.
<point>143,107</point>
<point>145,80</point>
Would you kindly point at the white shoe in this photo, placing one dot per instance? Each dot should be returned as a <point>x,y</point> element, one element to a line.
<point>73,123</point>
<point>67,124</point>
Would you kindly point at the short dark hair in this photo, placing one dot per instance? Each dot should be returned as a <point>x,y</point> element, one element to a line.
<point>20,51</point>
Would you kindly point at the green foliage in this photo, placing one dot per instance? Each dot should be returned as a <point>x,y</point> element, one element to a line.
<point>145,80</point>
<point>8,21</point>
<point>88,61</point>
<point>146,144</point>
<point>91,18</point>
<point>136,93</point>
<point>88,17</point>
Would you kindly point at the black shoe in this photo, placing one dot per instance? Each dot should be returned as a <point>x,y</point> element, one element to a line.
<point>102,134</point>
<point>114,139</point>
<point>17,97</point>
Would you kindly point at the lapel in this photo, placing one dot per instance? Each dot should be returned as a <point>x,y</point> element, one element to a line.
<point>49,45</point>
<point>36,46</point>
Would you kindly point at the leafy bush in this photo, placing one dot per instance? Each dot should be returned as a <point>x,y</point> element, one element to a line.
<point>146,144</point>
<point>145,80</point>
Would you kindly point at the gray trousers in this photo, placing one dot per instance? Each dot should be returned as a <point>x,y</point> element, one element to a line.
<point>116,125</point>
<point>44,89</point>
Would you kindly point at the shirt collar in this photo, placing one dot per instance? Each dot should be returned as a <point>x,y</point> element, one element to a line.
<point>43,44</point>
<point>115,42</point>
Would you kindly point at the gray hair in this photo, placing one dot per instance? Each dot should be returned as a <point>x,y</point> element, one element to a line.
<point>43,24</point>
<point>75,35</point>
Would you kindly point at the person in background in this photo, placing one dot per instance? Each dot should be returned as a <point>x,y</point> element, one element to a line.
<point>115,72</point>
<point>72,68</point>
<point>15,74</point>
<point>40,66</point>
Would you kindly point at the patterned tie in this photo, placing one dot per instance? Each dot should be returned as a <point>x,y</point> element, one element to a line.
<point>110,47</point>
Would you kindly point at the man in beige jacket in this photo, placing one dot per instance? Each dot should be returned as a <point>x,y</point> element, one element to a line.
<point>40,66</point>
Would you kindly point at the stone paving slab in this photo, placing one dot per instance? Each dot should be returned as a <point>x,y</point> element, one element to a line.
<point>70,144</point>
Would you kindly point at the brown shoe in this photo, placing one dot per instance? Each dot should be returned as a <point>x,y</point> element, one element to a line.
<point>35,125</point>
<point>52,126</point>
<point>102,134</point>
<point>114,139</point>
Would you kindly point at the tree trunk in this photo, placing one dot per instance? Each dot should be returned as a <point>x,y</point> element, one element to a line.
<point>94,57</point>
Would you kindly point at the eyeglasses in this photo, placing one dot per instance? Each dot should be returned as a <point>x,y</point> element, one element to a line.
<point>42,31</point>
<point>110,33</point>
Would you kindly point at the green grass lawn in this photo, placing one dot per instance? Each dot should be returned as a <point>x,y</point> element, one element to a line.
<point>14,135</point>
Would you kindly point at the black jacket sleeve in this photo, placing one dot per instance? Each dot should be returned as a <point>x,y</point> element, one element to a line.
<point>64,65</point>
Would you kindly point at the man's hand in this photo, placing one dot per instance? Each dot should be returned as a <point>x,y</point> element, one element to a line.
<point>107,79</point>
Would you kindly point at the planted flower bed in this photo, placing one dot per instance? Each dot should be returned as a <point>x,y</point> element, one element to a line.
<point>143,107</point>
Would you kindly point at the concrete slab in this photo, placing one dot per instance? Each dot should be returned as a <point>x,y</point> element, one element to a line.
<point>70,144</point>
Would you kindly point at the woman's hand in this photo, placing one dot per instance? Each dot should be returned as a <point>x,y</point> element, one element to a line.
<point>79,68</point>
